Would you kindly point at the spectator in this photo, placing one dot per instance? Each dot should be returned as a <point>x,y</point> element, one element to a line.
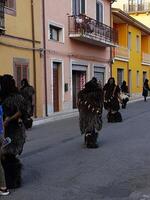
<point>27,92</point>
<point>145,89</point>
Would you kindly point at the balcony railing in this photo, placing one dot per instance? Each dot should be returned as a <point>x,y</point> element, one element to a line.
<point>121,52</point>
<point>146,58</point>
<point>88,30</point>
<point>136,7</point>
<point>2,14</point>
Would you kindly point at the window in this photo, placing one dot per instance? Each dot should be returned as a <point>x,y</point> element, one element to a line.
<point>120,74</point>
<point>137,79</point>
<point>55,33</point>
<point>78,7</point>
<point>10,6</point>
<point>20,72</point>
<point>99,74</point>
<point>140,5</point>
<point>137,43</point>
<point>132,5</point>
<point>99,11</point>
<point>2,21</point>
<point>129,40</point>
<point>144,76</point>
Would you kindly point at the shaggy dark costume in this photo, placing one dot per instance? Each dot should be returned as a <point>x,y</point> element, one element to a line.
<point>114,117</point>
<point>13,104</point>
<point>12,168</point>
<point>145,89</point>
<point>27,91</point>
<point>90,105</point>
<point>111,95</point>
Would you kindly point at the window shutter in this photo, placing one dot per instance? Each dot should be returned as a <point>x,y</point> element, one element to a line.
<point>97,12</point>
<point>10,4</point>
<point>82,6</point>
<point>20,72</point>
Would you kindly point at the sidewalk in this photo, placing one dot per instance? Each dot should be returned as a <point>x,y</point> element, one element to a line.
<point>71,113</point>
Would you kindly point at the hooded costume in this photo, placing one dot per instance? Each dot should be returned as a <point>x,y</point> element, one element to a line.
<point>90,105</point>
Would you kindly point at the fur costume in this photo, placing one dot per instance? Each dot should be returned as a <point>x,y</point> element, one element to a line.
<point>111,95</point>
<point>12,103</point>
<point>12,168</point>
<point>27,91</point>
<point>90,105</point>
<point>114,117</point>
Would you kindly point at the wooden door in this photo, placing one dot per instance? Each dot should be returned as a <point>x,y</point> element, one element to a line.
<point>55,87</point>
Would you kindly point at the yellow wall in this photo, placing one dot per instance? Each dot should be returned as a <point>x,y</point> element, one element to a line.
<point>21,26</point>
<point>135,62</point>
<point>146,44</point>
<point>142,16</point>
<point>122,31</point>
<point>120,65</point>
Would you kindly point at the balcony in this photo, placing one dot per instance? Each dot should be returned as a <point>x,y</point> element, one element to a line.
<point>88,30</point>
<point>2,14</point>
<point>136,7</point>
<point>121,53</point>
<point>145,59</point>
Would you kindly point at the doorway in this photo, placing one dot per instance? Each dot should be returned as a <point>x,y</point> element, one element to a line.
<point>56,86</point>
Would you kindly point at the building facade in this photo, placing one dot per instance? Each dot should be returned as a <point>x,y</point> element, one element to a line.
<point>78,37</point>
<point>139,9</point>
<point>20,44</point>
<point>131,57</point>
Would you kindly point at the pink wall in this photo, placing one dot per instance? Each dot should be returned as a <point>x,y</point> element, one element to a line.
<point>57,11</point>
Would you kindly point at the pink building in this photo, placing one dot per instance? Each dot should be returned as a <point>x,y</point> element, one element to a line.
<point>78,39</point>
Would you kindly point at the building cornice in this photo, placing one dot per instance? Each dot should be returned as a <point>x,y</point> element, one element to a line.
<point>130,20</point>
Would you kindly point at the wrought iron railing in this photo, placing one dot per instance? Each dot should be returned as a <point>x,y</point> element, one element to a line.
<point>92,29</point>
<point>2,14</point>
<point>137,7</point>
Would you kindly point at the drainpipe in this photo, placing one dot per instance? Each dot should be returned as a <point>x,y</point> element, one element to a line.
<point>34,56</point>
<point>128,63</point>
<point>110,46</point>
<point>45,66</point>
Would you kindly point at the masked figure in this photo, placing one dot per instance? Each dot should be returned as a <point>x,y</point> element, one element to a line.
<point>111,101</point>
<point>90,105</point>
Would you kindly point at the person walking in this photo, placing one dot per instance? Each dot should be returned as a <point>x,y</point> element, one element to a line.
<point>145,89</point>
<point>3,189</point>
<point>90,106</point>
<point>27,91</point>
<point>14,109</point>
<point>124,94</point>
<point>111,100</point>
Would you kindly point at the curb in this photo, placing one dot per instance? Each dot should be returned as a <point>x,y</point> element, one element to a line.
<point>138,99</point>
<point>54,117</point>
<point>60,116</point>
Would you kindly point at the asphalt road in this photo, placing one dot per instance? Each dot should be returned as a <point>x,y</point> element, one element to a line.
<point>57,166</point>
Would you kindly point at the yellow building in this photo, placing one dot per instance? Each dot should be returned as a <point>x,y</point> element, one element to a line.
<point>20,44</point>
<point>131,61</point>
<point>139,9</point>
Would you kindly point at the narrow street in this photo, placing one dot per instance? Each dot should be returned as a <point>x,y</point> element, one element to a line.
<point>57,166</point>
